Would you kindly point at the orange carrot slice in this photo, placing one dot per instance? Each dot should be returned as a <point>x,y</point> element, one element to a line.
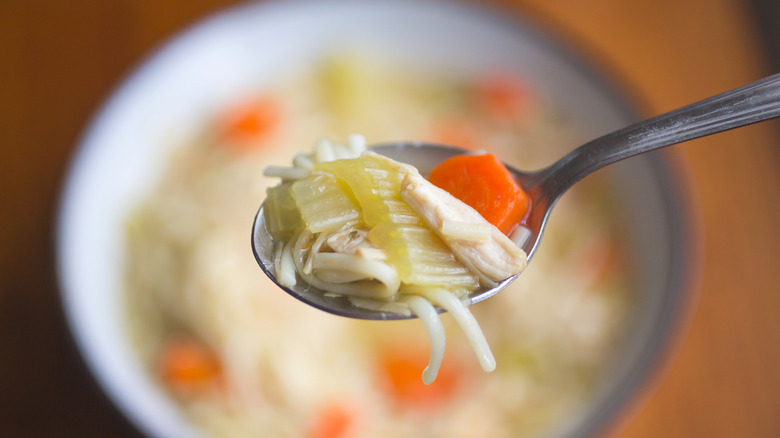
<point>454,132</point>
<point>250,120</point>
<point>485,184</point>
<point>501,96</point>
<point>188,365</point>
<point>401,371</point>
<point>334,421</point>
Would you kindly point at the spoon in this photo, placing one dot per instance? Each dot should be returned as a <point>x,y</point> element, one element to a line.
<point>749,104</point>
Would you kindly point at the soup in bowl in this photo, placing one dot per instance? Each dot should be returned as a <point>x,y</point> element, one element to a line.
<point>190,338</point>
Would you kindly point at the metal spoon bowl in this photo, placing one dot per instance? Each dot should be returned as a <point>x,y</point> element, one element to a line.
<point>749,104</point>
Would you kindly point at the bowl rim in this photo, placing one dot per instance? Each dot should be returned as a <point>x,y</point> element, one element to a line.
<point>670,176</point>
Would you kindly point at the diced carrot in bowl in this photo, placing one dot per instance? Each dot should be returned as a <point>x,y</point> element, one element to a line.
<point>332,421</point>
<point>454,132</point>
<point>503,97</point>
<point>250,121</point>
<point>400,371</point>
<point>188,365</point>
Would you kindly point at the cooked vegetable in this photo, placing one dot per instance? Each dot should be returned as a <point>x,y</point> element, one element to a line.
<point>399,369</point>
<point>250,120</point>
<point>323,204</point>
<point>484,183</point>
<point>454,132</point>
<point>333,421</point>
<point>344,87</point>
<point>414,250</point>
<point>503,97</point>
<point>421,258</point>
<point>375,182</point>
<point>282,216</point>
<point>187,365</point>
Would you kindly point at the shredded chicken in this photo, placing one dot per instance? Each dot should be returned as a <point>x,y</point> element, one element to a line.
<point>348,241</point>
<point>492,260</point>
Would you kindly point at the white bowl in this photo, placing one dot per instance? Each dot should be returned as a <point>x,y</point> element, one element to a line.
<point>248,45</point>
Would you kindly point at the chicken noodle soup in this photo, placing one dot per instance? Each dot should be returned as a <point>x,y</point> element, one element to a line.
<point>243,359</point>
<point>357,224</point>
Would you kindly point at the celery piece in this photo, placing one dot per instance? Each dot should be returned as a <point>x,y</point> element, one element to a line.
<point>351,173</point>
<point>348,86</point>
<point>420,256</point>
<point>375,183</point>
<point>323,204</point>
<point>282,216</point>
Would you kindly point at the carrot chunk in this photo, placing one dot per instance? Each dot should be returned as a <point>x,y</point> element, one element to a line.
<point>503,97</point>
<point>401,373</point>
<point>485,184</point>
<point>250,120</point>
<point>187,365</point>
<point>333,421</point>
<point>454,132</point>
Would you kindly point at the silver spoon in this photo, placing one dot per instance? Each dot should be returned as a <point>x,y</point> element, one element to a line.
<point>749,104</point>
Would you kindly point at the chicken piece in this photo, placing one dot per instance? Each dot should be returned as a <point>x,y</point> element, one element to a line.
<point>489,254</point>
<point>354,241</point>
<point>347,241</point>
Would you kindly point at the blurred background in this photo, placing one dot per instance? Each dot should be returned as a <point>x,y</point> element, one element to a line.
<point>60,60</point>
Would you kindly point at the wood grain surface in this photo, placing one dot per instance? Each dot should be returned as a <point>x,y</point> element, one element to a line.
<point>60,60</point>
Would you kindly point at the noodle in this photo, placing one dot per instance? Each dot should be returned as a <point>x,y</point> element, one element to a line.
<point>424,310</point>
<point>365,269</point>
<point>286,273</point>
<point>383,280</point>
<point>467,323</point>
<point>286,173</point>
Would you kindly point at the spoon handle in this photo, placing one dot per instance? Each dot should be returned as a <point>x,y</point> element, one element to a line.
<point>755,102</point>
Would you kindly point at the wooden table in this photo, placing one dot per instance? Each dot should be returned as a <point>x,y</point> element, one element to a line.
<point>60,59</point>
